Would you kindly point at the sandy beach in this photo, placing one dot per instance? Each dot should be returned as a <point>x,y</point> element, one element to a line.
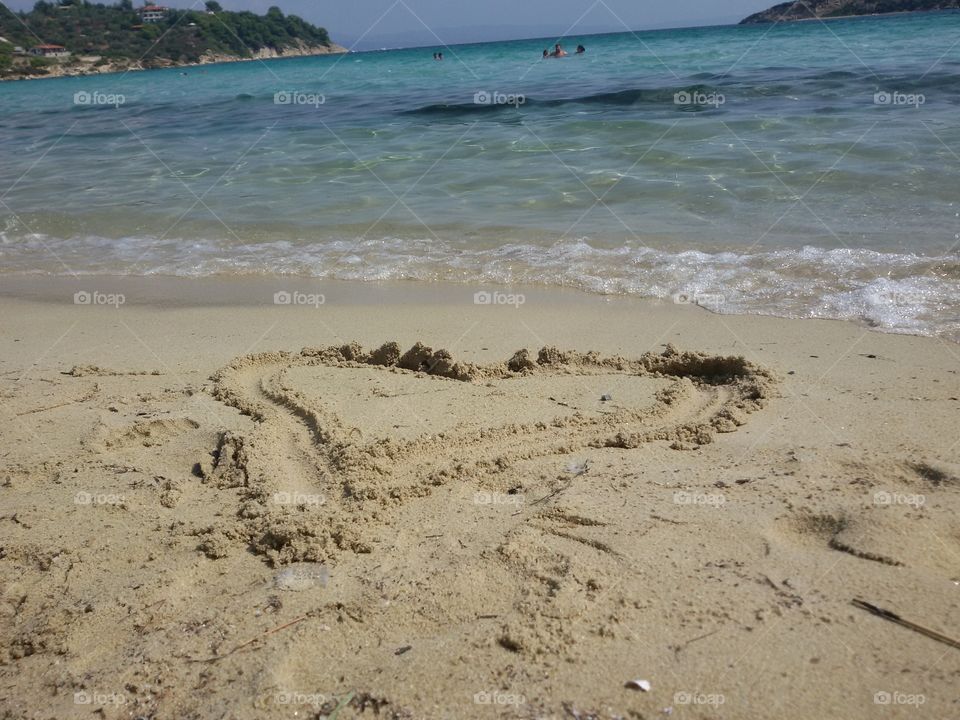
<point>364,502</point>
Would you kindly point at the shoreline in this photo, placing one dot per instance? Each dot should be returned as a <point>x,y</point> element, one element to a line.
<point>262,55</point>
<point>225,291</point>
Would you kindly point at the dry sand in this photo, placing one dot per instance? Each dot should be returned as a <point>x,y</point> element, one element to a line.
<point>215,507</point>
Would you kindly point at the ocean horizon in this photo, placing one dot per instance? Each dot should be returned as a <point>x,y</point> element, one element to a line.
<point>798,170</point>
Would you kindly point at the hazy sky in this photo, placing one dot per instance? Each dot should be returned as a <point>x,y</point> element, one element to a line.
<point>417,22</point>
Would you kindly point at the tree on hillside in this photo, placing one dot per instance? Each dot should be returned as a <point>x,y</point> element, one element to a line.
<point>213,6</point>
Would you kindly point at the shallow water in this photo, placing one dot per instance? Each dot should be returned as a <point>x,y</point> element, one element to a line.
<point>804,169</point>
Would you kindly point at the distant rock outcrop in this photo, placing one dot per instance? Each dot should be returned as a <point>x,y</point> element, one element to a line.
<point>813,9</point>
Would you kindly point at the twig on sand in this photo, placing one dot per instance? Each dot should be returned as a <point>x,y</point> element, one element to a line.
<point>44,409</point>
<point>251,641</point>
<point>894,618</point>
<point>575,470</point>
<point>553,494</point>
<point>679,648</point>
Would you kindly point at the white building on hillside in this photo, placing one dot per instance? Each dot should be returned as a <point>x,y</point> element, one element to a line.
<point>152,13</point>
<point>49,51</point>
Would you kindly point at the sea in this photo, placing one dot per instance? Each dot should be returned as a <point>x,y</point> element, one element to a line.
<point>802,169</point>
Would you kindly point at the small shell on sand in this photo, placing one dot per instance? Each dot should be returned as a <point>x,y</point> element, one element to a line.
<point>301,576</point>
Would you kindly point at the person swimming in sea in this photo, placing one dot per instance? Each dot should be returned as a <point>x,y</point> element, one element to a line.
<point>558,51</point>
<point>546,54</point>
<point>581,49</point>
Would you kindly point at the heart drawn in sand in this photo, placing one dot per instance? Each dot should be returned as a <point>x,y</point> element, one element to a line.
<point>338,423</point>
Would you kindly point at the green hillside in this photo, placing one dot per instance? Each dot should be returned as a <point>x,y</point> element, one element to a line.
<point>117,34</point>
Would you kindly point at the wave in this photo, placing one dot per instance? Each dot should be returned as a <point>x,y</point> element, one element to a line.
<point>895,292</point>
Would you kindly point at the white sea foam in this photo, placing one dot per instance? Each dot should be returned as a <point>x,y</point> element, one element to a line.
<point>898,292</point>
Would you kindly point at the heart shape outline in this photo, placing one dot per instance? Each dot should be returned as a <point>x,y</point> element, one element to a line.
<point>707,395</point>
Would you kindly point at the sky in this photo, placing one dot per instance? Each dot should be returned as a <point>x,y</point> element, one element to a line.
<point>372,24</point>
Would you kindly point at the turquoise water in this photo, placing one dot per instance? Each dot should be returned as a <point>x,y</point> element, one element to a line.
<point>805,169</point>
